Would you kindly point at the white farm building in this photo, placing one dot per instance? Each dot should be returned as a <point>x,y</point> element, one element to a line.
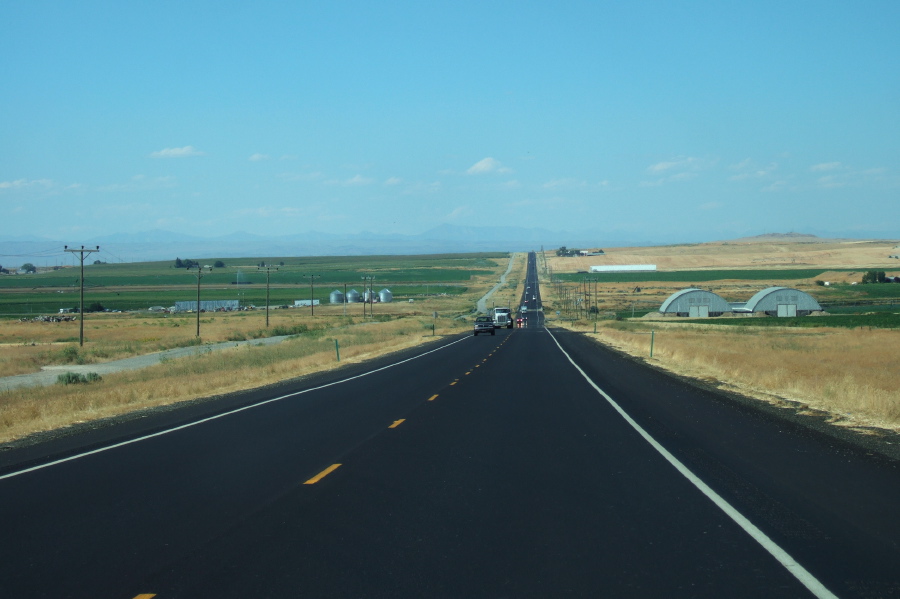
<point>781,301</point>
<point>695,303</point>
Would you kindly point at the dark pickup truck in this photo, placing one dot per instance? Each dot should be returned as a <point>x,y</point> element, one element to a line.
<point>484,324</point>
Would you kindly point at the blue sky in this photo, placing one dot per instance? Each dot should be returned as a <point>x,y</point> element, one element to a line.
<point>697,120</point>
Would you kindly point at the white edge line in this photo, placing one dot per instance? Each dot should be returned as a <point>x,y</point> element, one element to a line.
<point>223,414</point>
<point>783,557</point>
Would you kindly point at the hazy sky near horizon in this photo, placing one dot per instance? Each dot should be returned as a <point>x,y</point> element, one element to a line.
<point>703,119</point>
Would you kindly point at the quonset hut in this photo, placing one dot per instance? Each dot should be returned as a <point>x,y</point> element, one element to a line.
<point>696,303</point>
<point>781,301</point>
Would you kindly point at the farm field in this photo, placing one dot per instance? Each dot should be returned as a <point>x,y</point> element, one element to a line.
<point>360,330</point>
<point>735,270</point>
<point>841,363</point>
<point>142,285</point>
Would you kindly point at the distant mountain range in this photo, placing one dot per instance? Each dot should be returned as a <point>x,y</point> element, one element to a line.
<point>157,244</point>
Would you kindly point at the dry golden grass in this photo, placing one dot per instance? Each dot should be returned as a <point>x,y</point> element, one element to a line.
<point>25,347</point>
<point>749,254</point>
<point>24,411</point>
<point>850,373</point>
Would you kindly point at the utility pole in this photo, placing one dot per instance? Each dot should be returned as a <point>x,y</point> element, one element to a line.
<point>312,301</point>
<point>268,270</point>
<point>199,276</point>
<point>82,252</point>
<point>367,280</point>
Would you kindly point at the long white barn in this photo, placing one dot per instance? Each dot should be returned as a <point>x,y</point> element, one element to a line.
<point>625,268</point>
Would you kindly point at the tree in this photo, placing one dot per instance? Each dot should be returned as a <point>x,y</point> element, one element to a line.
<point>179,263</point>
<point>218,264</point>
<point>29,267</point>
<point>874,276</point>
<point>95,307</point>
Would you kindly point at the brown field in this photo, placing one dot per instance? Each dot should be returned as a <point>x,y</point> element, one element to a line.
<point>752,253</point>
<point>26,347</point>
<point>849,373</point>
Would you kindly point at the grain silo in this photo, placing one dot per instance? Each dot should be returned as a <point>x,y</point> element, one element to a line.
<point>353,296</point>
<point>781,301</point>
<point>336,297</point>
<point>385,296</point>
<point>695,303</point>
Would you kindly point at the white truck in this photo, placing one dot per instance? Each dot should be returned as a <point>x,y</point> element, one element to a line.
<point>502,317</point>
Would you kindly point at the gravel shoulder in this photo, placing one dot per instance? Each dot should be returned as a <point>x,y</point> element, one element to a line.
<point>48,374</point>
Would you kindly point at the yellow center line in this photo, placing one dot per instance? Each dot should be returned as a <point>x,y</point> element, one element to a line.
<point>397,423</point>
<point>145,596</point>
<point>322,474</point>
<point>453,383</point>
<point>433,397</point>
<point>468,373</point>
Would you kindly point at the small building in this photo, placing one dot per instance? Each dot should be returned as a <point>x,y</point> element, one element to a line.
<point>616,268</point>
<point>696,303</point>
<point>207,306</point>
<point>305,303</point>
<point>781,301</point>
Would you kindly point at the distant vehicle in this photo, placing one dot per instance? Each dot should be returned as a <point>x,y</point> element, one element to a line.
<point>520,321</point>
<point>503,318</point>
<point>484,324</point>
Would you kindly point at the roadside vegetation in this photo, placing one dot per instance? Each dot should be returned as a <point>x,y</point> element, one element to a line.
<point>383,328</point>
<point>841,364</point>
<point>850,373</point>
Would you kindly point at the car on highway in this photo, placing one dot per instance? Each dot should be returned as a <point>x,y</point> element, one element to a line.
<point>484,324</point>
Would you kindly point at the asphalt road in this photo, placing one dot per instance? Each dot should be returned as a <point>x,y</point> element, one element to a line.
<point>532,463</point>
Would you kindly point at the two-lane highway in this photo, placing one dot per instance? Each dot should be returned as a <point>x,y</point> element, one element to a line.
<point>527,464</point>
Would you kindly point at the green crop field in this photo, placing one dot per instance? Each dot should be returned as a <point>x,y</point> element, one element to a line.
<point>875,320</point>
<point>141,285</point>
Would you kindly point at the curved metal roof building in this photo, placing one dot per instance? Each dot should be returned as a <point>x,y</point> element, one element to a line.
<point>695,302</point>
<point>782,301</point>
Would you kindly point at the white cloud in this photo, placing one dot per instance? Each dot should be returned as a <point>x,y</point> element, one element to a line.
<point>682,168</point>
<point>776,186</point>
<point>459,213</point>
<point>24,183</point>
<point>487,165</point>
<point>748,169</point>
<point>359,180</point>
<point>393,181</point>
<point>258,157</point>
<point>825,166</point>
<point>177,152</point>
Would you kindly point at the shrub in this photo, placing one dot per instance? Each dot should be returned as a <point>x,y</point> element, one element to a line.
<point>71,354</point>
<point>73,378</point>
